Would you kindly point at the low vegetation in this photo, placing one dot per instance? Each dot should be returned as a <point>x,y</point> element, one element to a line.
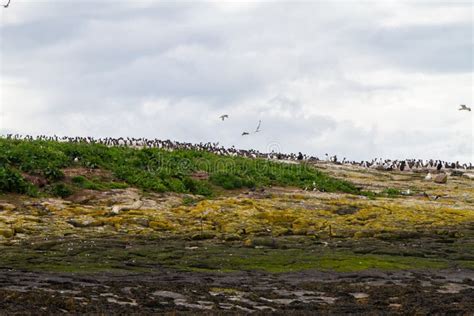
<point>94,255</point>
<point>152,170</point>
<point>113,218</point>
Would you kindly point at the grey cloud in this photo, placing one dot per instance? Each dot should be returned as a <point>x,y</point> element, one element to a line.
<point>94,64</point>
<point>434,48</point>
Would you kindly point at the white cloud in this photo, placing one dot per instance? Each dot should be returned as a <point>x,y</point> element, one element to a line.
<point>345,78</point>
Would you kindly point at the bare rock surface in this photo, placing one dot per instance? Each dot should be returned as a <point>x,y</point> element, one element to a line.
<point>250,292</point>
<point>441,178</point>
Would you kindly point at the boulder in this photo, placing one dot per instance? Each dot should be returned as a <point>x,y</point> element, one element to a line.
<point>441,178</point>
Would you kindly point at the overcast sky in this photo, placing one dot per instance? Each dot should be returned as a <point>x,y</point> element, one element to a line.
<point>360,79</point>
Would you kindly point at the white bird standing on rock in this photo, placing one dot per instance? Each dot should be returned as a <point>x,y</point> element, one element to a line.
<point>463,107</point>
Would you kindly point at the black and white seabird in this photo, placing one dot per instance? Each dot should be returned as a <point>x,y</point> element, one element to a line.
<point>463,107</point>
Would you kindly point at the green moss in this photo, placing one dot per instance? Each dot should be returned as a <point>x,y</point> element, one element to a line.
<point>112,255</point>
<point>390,192</point>
<point>278,261</point>
<point>468,264</point>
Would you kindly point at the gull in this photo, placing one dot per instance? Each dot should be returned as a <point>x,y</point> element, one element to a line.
<point>6,5</point>
<point>258,126</point>
<point>464,108</point>
<point>245,133</point>
<point>223,117</point>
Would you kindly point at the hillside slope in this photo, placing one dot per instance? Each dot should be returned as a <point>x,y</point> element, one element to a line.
<point>93,229</point>
<point>50,167</point>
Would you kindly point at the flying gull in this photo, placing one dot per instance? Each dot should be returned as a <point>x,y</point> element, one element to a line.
<point>245,133</point>
<point>6,5</point>
<point>464,108</point>
<point>223,117</point>
<point>258,127</point>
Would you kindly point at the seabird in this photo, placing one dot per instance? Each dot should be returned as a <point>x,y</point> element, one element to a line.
<point>463,107</point>
<point>6,5</point>
<point>258,126</point>
<point>402,165</point>
<point>245,133</point>
<point>223,117</point>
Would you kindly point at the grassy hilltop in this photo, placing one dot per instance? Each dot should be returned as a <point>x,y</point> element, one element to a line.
<point>153,170</point>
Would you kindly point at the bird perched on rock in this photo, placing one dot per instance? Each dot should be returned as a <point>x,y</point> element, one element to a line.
<point>223,117</point>
<point>463,107</point>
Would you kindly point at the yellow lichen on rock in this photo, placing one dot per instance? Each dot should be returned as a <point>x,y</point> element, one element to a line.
<point>280,211</point>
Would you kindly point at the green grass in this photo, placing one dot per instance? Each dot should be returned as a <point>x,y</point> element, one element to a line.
<point>97,184</point>
<point>61,190</point>
<point>150,169</point>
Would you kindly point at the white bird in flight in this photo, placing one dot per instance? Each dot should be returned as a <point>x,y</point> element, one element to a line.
<point>464,108</point>
<point>256,130</point>
<point>258,126</point>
